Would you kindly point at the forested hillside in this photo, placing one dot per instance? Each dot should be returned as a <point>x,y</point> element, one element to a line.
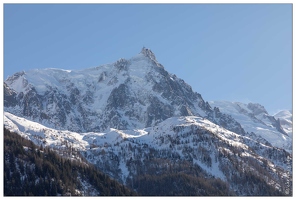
<point>36,171</point>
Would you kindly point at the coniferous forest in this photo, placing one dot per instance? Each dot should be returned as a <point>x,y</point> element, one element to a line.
<point>30,170</point>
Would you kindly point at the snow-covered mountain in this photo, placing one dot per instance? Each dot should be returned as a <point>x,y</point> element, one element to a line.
<point>127,94</point>
<point>256,121</point>
<point>132,117</point>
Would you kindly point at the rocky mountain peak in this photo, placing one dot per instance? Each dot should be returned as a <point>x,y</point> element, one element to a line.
<point>15,76</point>
<point>148,53</point>
<point>257,108</point>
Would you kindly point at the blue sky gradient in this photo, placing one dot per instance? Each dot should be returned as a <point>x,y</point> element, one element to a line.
<point>234,52</point>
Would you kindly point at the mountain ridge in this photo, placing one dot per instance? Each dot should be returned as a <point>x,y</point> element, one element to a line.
<point>193,141</point>
<point>255,119</point>
<point>134,93</point>
<point>134,120</point>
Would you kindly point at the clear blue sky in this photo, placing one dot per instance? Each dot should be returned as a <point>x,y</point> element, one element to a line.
<point>235,52</point>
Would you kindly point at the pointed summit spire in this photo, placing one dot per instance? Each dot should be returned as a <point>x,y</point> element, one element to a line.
<point>148,53</point>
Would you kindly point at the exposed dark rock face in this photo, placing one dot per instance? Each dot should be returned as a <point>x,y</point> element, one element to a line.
<point>10,95</point>
<point>226,121</point>
<point>257,108</point>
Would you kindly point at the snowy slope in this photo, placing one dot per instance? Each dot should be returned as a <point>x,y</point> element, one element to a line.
<point>285,118</point>
<point>189,138</point>
<point>254,118</point>
<point>42,135</point>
